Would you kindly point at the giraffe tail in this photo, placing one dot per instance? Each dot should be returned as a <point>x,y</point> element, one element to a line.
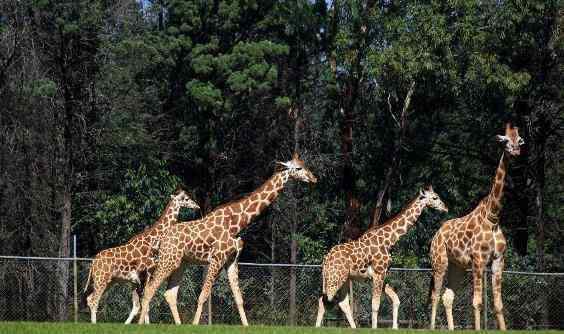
<point>430,290</point>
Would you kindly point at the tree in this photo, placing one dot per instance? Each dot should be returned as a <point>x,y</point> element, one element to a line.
<point>70,34</point>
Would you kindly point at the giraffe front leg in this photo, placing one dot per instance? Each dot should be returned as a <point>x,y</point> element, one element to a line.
<point>477,274</point>
<point>345,306</point>
<point>233,275</point>
<point>135,306</point>
<point>171,293</point>
<point>141,292</point>
<point>497,269</point>
<point>377,283</point>
<point>394,300</point>
<point>94,298</point>
<point>164,269</point>
<point>320,312</point>
<point>436,286</point>
<point>213,271</point>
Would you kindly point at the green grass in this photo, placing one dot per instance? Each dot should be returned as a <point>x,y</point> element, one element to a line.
<point>85,328</point>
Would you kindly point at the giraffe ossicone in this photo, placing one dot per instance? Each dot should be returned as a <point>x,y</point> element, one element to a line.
<point>213,240</point>
<point>133,261</point>
<point>473,241</point>
<point>368,257</point>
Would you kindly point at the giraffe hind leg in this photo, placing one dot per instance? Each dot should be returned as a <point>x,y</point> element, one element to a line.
<point>213,271</point>
<point>171,293</point>
<point>233,275</point>
<point>345,306</point>
<point>139,280</point>
<point>448,299</point>
<point>394,300</point>
<point>455,276</point>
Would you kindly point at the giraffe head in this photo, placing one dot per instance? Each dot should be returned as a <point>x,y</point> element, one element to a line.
<point>183,200</point>
<point>512,140</point>
<point>297,170</point>
<point>431,199</point>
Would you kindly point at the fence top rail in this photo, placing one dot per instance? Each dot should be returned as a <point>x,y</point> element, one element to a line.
<point>279,265</point>
<point>46,258</point>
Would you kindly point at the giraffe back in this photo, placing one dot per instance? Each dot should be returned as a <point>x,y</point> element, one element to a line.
<point>121,261</point>
<point>468,237</point>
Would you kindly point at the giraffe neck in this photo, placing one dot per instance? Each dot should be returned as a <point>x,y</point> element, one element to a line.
<point>399,224</point>
<point>253,204</point>
<point>406,219</point>
<point>168,216</point>
<point>494,199</point>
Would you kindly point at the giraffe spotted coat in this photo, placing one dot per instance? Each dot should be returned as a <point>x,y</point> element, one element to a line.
<point>368,257</point>
<point>133,261</point>
<point>472,242</point>
<point>213,240</point>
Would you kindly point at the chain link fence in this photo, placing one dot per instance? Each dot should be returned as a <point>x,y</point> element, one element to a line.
<point>43,289</point>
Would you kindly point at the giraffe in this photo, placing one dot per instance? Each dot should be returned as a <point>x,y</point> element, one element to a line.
<point>368,257</point>
<point>472,241</point>
<point>133,261</point>
<point>213,240</point>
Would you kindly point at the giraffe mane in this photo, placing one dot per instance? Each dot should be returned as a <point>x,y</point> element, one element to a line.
<point>392,219</point>
<point>242,197</point>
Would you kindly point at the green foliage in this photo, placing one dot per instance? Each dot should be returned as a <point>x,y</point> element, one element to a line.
<point>43,88</point>
<point>205,94</point>
<point>142,196</point>
<point>223,89</point>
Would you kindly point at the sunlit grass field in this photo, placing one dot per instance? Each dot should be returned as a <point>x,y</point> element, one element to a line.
<point>85,328</point>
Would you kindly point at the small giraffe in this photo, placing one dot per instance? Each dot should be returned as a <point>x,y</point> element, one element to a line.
<point>473,241</point>
<point>133,261</point>
<point>213,240</point>
<point>368,257</point>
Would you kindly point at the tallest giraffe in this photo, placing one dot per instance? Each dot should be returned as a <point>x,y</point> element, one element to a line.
<point>213,240</point>
<point>473,241</point>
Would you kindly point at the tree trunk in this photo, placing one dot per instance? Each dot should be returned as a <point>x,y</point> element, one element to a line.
<point>294,224</point>
<point>293,258</point>
<point>539,199</point>
<point>351,227</point>
<point>69,108</point>
<point>64,251</point>
<point>393,168</point>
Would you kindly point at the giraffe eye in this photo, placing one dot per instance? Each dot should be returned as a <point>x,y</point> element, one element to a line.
<point>521,141</point>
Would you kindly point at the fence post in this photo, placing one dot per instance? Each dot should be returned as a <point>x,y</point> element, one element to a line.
<point>75,279</point>
<point>485,298</point>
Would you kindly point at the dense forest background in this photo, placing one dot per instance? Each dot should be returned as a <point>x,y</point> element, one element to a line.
<point>107,105</point>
